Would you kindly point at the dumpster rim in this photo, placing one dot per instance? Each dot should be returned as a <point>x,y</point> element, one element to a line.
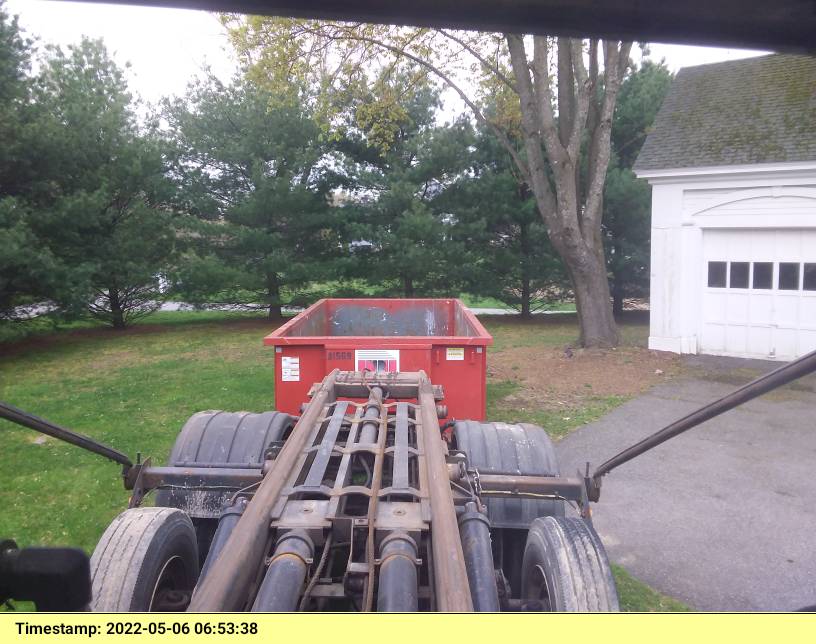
<point>279,337</point>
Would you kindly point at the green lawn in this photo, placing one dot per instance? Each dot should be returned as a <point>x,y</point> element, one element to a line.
<point>135,389</point>
<point>635,596</point>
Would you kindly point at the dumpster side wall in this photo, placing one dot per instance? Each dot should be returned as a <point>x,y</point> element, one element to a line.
<point>441,337</point>
<point>459,369</point>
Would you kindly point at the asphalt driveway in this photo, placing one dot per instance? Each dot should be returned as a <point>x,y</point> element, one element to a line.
<point>724,516</point>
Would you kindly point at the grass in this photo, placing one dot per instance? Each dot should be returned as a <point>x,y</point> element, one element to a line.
<point>131,390</point>
<point>134,390</point>
<point>635,596</point>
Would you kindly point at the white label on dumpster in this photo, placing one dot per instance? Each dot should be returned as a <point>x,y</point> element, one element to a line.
<point>455,353</point>
<point>290,369</point>
<point>377,360</point>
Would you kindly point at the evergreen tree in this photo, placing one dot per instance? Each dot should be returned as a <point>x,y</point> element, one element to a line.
<point>402,163</point>
<point>256,176</point>
<point>102,211</point>
<point>496,215</point>
<point>627,199</point>
<point>29,271</point>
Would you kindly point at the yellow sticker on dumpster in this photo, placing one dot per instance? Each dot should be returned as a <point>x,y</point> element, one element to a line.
<point>455,353</point>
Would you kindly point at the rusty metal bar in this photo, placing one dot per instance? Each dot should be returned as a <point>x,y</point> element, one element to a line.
<point>399,478</point>
<point>776,378</point>
<point>199,477</point>
<point>318,468</point>
<point>380,433</point>
<point>451,586</point>
<point>403,385</point>
<point>504,484</point>
<point>227,584</point>
<point>20,417</point>
<point>371,416</point>
<point>344,469</point>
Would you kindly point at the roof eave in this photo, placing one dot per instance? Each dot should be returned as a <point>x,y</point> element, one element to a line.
<point>658,175</point>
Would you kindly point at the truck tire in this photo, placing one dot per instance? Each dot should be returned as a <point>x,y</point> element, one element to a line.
<point>146,560</point>
<point>220,439</point>
<point>501,448</point>
<point>565,568</point>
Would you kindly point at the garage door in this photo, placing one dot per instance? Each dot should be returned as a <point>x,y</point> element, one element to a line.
<point>759,293</point>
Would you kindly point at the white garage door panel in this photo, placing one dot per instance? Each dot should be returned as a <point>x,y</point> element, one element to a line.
<point>736,339</point>
<point>762,311</point>
<point>759,336</point>
<point>808,311</point>
<point>737,310</point>
<point>758,323</point>
<point>807,341</point>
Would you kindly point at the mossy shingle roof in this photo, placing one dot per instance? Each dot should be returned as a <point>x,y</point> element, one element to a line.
<point>755,110</point>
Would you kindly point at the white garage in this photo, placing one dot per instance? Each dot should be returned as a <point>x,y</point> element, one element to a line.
<point>759,294</point>
<point>732,164</point>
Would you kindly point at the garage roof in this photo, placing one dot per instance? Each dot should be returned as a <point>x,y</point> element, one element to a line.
<point>755,110</point>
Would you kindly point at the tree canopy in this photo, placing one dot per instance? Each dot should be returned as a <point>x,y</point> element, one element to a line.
<point>83,208</point>
<point>562,91</point>
<point>256,177</point>
<point>328,164</point>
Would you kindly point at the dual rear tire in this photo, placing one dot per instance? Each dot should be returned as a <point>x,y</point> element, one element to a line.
<point>565,568</point>
<point>147,560</point>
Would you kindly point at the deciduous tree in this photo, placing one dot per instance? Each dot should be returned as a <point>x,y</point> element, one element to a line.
<point>627,202</point>
<point>563,92</point>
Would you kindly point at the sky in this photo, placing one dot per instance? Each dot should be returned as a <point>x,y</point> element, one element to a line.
<point>167,47</point>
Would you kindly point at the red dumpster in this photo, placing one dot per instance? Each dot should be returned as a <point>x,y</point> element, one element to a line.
<point>441,337</point>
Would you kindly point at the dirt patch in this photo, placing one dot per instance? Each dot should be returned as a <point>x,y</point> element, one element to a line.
<point>556,379</point>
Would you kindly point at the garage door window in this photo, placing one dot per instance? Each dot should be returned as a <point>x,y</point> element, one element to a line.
<point>788,276</point>
<point>809,277</point>
<point>739,275</point>
<point>763,275</point>
<point>759,275</point>
<point>716,274</point>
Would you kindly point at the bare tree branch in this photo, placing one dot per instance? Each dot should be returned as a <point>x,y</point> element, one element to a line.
<point>614,71</point>
<point>543,91</point>
<point>538,181</point>
<point>581,105</point>
<point>494,69</point>
<point>566,91</point>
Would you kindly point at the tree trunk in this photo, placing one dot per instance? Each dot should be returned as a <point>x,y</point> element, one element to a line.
<point>117,314</point>
<point>617,296</point>
<point>273,293</point>
<point>615,269</point>
<point>524,239</point>
<point>407,287</point>
<point>592,299</point>
<point>526,313</point>
<point>573,221</point>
